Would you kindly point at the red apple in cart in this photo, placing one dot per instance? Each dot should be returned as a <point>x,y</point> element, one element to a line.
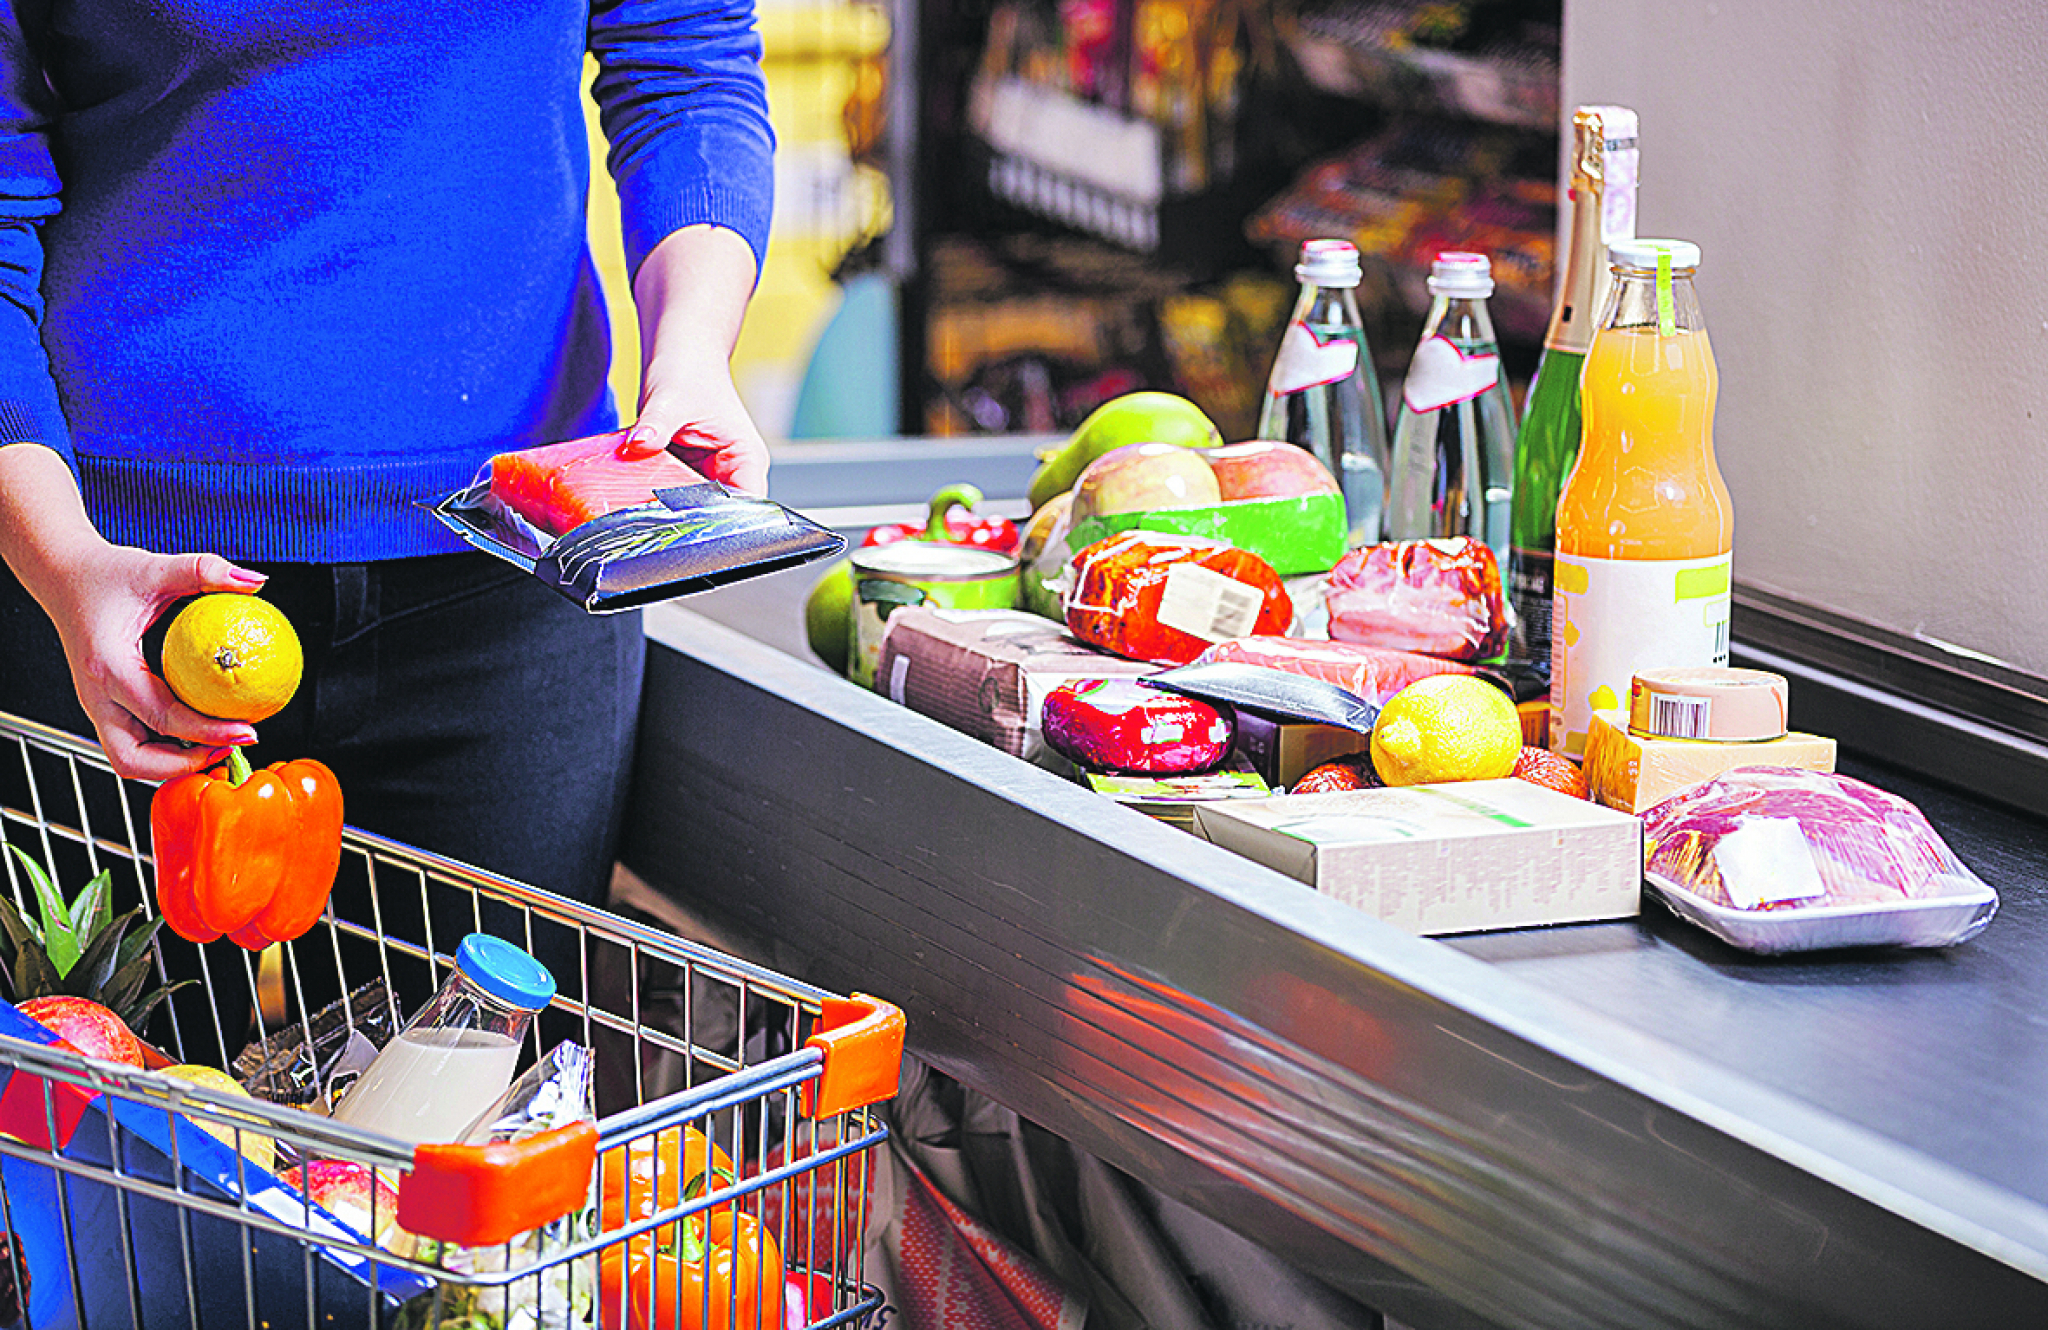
<point>1264,469</point>
<point>86,1026</point>
<point>1143,477</point>
<point>344,1188</point>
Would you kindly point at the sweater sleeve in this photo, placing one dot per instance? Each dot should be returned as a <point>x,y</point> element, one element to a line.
<point>29,409</point>
<point>684,106</point>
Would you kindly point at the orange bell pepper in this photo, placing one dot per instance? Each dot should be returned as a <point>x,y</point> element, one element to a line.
<point>250,854</point>
<point>658,1280</point>
<point>725,1256</point>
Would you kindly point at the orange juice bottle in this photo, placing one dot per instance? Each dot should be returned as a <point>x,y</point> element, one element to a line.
<point>1645,527</point>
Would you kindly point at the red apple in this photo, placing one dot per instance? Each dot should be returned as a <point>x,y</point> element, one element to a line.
<point>87,1027</point>
<point>1141,477</point>
<point>343,1188</point>
<point>1264,469</point>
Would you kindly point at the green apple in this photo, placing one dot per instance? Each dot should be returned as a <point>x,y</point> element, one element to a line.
<point>1142,417</point>
<point>827,611</point>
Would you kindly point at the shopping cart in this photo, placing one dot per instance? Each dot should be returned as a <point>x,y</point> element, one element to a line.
<point>131,1197</point>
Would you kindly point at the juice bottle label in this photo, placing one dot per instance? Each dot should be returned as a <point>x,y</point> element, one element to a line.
<point>1613,617</point>
<point>1309,358</point>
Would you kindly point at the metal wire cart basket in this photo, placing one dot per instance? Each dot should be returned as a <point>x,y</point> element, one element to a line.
<point>140,1197</point>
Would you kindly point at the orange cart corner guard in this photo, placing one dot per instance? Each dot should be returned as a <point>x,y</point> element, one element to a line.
<point>862,1040</point>
<point>477,1195</point>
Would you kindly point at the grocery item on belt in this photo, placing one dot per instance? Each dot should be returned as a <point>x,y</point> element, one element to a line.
<point>1719,703</point>
<point>1350,772</point>
<point>1119,725</point>
<point>1279,694</point>
<point>1373,673</point>
<point>1166,598</point>
<point>1439,597</point>
<point>611,533</point>
<point>987,672</point>
<point>1633,772</point>
<point>1271,499</point>
<point>1781,859</point>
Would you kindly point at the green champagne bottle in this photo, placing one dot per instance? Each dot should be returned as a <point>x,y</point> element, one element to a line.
<point>1602,199</point>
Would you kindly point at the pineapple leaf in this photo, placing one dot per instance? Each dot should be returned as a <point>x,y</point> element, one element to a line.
<point>139,1015</point>
<point>60,940</point>
<point>93,908</point>
<point>21,933</point>
<point>95,966</point>
<point>131,970</point>
<point>34,976</point>
<point>18,924</point>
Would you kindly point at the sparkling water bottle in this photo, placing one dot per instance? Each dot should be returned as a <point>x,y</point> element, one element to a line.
<point>1453,469</point>
<point>1324,394</point>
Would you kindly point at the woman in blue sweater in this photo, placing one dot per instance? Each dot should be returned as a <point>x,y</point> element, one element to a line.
<point>271,278</point>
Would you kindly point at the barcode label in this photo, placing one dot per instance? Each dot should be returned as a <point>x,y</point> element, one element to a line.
<point>1679,717</point>
<point>1204,603</point>
<point>1721,642</point>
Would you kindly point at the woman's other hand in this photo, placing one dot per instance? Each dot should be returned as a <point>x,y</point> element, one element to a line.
<point>691,294</point>
<point>102,598</point>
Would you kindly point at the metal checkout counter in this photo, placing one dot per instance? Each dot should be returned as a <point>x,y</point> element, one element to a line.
<point>1612,1125</point>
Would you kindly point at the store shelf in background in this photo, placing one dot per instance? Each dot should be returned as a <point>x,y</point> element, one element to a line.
<point>1492,62</point>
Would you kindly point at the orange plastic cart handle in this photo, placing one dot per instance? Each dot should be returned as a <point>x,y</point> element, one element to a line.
<point>478,1195</point>
<point>862,1040</point>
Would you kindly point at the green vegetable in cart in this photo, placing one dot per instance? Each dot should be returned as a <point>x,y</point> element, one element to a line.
<point>79,948</point>
<point>1142,417</point>
<point>826,610</point>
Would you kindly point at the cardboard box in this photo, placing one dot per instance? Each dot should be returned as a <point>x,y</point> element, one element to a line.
<point>1282,752</point>
<point>1634,773</point>
<point>1456,858</point>
<point>1174,799</point>
<point>986,672</point>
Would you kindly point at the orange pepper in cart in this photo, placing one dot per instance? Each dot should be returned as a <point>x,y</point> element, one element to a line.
<point>647,1174</point>
<point>725,1273</point>
<point>249,854</point>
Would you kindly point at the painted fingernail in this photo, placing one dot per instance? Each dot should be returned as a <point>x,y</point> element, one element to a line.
<point>247,577</point>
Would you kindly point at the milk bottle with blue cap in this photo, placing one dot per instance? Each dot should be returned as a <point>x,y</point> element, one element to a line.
<point>457,1055</point>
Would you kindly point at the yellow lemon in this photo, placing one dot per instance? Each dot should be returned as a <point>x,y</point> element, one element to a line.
<point>233,657</point>
<point>1446,727</point>
<point>258,1150</point>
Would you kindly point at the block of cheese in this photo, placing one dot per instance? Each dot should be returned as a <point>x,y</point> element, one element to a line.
<point>1633,772</point>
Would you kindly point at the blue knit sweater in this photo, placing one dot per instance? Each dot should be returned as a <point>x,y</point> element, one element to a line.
<point>271,276</point>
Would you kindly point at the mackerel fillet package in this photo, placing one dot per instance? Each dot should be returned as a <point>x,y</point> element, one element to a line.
<point>611,533</point>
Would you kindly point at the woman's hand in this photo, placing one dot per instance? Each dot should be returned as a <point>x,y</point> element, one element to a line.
<point>691,293</point>
<point>102,598</point>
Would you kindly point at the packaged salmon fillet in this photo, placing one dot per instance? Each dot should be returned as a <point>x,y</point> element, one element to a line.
<point>611,532</point>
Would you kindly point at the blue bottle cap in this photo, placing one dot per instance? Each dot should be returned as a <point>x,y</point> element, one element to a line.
<point>504,971</point>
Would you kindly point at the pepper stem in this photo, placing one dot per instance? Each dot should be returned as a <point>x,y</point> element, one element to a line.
<point>238,766</point>
<point>966,496</point>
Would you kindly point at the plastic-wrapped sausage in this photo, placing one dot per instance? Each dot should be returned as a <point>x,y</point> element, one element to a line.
<point>1165,598</point>
<point>1120,725</point>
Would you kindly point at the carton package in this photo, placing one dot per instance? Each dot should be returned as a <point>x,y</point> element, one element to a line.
<point>1174,799</point>
<point>986,672</point>
<point>1282,752</point>
<point>1634,772</point>
<point>1456,858</point>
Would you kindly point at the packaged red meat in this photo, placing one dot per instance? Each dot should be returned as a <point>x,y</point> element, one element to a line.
<point>1440,597</point>
<point>1120,725</point>
<point>1165,598</point>
<point>610,532</point>
<point>1373,673</point>
<point>1784,859</point>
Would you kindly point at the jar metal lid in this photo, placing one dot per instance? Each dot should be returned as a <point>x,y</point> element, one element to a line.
<point>504,971</point>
